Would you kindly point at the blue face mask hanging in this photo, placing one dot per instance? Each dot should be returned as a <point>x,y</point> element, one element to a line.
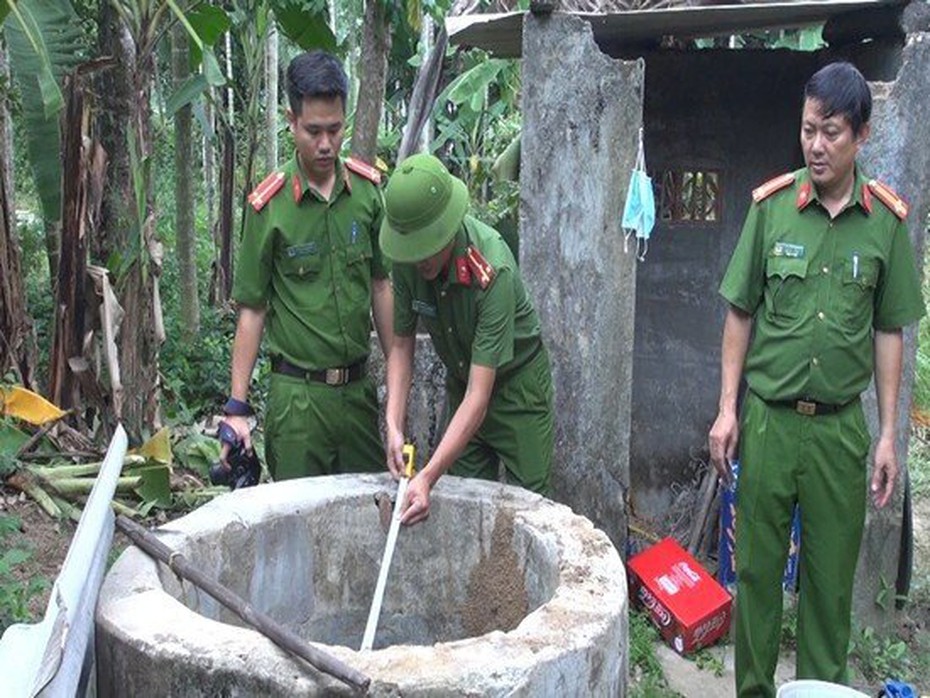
<point>639,211</point>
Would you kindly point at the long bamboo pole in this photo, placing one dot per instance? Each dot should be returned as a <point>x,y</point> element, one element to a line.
<point>281,636</point>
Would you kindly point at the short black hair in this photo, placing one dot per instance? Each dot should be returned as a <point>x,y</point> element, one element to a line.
<point>841,89</point>
<point>315,74</point>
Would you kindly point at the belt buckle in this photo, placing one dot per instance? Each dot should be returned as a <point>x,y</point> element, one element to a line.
<point>806,408</point>
<point>337,376</point>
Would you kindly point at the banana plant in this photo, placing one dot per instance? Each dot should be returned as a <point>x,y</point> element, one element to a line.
<point>45,42</point>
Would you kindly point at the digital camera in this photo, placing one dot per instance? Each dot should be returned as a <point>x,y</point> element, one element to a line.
<point>244,469</point>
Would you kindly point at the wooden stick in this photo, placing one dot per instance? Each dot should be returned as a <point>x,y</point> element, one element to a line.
<point>42,431</point>
<point>281,636</point>
<point>710,520</point>
<point>708,489</point>
<point>48,455</point>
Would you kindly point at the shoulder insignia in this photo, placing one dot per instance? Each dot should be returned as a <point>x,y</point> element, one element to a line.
<point>888,197</point>
<point>764,191</point>
<point>363,169</point>
<point>479,266</point>
<point>263,193</point>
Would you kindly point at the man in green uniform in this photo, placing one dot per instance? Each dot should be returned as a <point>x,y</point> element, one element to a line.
<point>825,274</point>
<point>458,277</point>
<point>311,273</point>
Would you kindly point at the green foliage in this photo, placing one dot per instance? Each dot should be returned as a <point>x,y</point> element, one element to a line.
<point>43,46</point>
<point>922,382</point>
<point>197,453</point>
<point>802,39</point>
<point>879,657</point>
<point>887,596</point>
<point>11,440</point>
<point>195,371</point>
<point>918,462</point>
<point>306,23</point>
<point>15,594</point>
<point>706,660</point>
<point>648,677</point>
<point>789,624</point>
<point>477,117</point>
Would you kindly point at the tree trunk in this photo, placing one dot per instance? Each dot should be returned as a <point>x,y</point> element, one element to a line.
<point>222,272</point>
<point>17,343</point>
<point>223,279</point>
<point>68,336</point>
<point>417,129</point>
<point>183,192</point>
<point>271,98</point>
<point>376,45</point>
<point>114,92</point>
<point>6,135</point>
<point>124,126</point>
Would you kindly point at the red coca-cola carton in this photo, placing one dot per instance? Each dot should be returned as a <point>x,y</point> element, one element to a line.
<point>689,606</point>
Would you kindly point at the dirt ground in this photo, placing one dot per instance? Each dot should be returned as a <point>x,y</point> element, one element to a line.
<point>46,538</point>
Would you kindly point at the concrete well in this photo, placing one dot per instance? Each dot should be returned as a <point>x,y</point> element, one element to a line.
<point>499,593</point>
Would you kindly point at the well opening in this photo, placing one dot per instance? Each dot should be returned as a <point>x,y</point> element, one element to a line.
<point>315,571</point>
<point>500,592</point>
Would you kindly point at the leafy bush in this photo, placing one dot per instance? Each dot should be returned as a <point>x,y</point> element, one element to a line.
<point>648,677</point>
<point>14,594</point>
<point>195,373</point>
<point>880,657</point>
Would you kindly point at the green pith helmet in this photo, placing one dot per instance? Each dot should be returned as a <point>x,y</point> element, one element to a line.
<point>424,207</point>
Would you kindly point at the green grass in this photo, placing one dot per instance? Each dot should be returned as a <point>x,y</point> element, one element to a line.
<point>647,677</point>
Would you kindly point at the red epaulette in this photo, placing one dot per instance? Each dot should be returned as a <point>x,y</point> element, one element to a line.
<point>761,193</point>
<point>270,186</point>
<point>364,169</point>
<point>888,197</point>
<point>479,266</point>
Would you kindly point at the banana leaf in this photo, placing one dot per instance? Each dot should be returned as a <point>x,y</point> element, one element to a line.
<point>198,452</point>
<point>209,23</point>
<point>22,403</point>
<point>306,23</point>
<point>45,41</point>
<point>157,448</point>
<point>155,486</point>
<point>11,438</point>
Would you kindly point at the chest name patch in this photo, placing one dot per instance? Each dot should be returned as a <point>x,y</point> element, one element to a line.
<point>423,308</point>
<point>301,250</point>
<point>786,249</point>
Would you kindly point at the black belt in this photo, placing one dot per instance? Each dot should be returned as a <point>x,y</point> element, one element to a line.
<point>809,408</point>
<point>330,376</point>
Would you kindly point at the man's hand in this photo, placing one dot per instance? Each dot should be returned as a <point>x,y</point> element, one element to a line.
<point>884,471</point>
<point>722,441</point>
<point>416,504</point>
<point>241,426</point>
<point>394,449</point>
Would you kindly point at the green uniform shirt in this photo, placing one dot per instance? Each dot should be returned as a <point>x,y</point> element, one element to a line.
<point>495,327</point>
<point>817,288</point>
<point>310,263</point>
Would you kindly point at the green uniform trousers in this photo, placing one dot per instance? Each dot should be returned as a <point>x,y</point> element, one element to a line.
<point>316,429</point>
<point>819,462</point>
<point>517,429</point>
